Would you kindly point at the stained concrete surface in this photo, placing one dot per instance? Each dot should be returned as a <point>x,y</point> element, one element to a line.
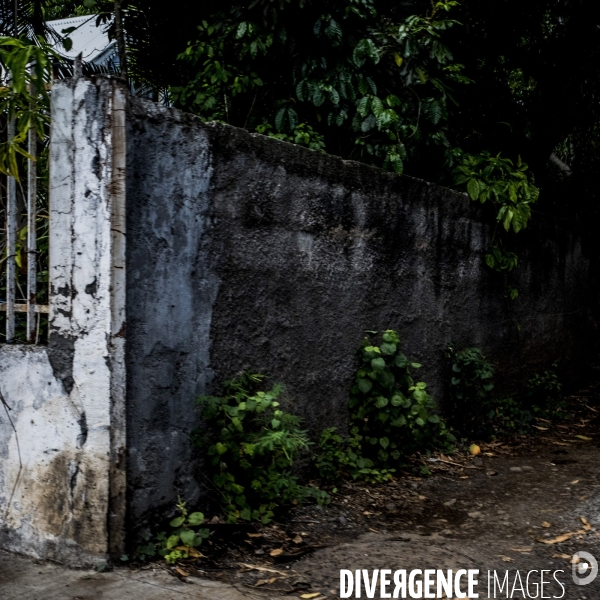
<point>23,578</point>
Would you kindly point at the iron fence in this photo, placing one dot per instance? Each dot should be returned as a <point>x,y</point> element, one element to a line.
<point>22,298</point>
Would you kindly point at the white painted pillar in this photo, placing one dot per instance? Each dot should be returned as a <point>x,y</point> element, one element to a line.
<point>87,275</point>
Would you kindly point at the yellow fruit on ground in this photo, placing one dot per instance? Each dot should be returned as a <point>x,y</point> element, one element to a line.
<point>474,449</point>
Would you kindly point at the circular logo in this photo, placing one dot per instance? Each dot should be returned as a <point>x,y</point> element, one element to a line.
<point>585,568</point>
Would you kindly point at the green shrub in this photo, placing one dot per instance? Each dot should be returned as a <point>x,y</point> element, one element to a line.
<point>474,411</point>
<point>252,445</point>
<point>542,398</point>
<point>181,542</point>
<point>391,417</point>
<point>471,407</point>
<point>544,393</point>
<point>342,457</point>
<point>512,416</point>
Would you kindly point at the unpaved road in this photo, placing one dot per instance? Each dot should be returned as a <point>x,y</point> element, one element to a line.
<point>478,520</point>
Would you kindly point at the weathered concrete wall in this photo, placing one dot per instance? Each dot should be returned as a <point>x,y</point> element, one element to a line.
<point>247,253</point>
<point>68,400</point>
<point>242,253</point>
<point>172,286</point>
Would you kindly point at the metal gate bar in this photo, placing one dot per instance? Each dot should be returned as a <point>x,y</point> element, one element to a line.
<point>32,318</point>
<point>11,245</point>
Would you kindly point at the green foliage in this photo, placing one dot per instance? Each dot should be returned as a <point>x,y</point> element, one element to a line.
<point>392,417</point>
<point>542,399</point>
<point>544,393</point>
<point>496,179</point>
<point>23,95</point>
<point>303,135</point>
<point>508,187</point>
<point>25,66</point>
<point>471,406</point>
<point>394,414</point>
<point>474,412</point>
<point>252,445</point>
<point>342,457</point>
<point>373,86</point>
<point>512,50</point>
<point>511,415</point>
<point>179,543</point>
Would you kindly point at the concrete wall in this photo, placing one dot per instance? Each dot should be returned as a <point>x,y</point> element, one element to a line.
<point>248,253</point>
<point>62,469</point>
<point>242,253</point>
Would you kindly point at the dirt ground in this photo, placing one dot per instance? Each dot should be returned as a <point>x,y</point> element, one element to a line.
<point>523,505</point>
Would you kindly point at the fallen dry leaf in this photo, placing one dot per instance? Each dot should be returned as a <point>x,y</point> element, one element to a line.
<point>521,549</point>
<point>565,536</point>
<point>575,482</point>
<point>541,428</point>
<point>297,540</point>
<point>584,438</point>
<point>190,551</point>
<point>266,581</point>
<point>563,555</point>
<point>313,595</point>
<point>259,568</point>
<point>586,525</point>
<point>182,572</point>
<point>276,552</point>
<point>505,558</point>
<point>255,535</point>
<point>546,524</point>
<point>556,540</point>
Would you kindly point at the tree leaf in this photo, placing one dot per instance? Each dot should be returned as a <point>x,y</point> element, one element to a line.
<point>241,30</point>
<point>279,118</point>
<point>473,189</point>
